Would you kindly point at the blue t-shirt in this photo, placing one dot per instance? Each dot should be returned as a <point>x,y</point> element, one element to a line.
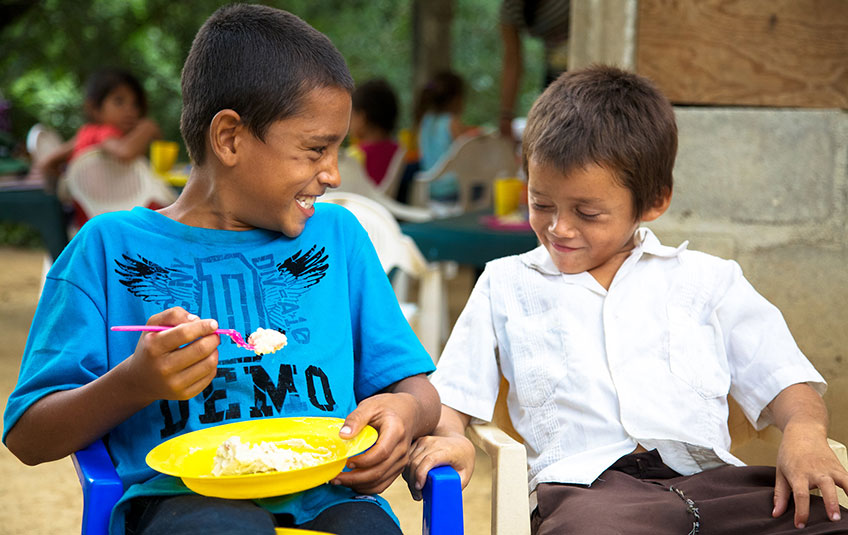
<point>326,289</point>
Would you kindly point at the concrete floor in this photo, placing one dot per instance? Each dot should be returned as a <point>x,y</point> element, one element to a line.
<point>47,498</point>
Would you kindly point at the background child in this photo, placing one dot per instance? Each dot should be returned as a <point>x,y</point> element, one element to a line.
<point>116,107</point>
<point>372,123</point>
<point>266,106</point>
<point>620,352</point>
<point>438,115</point>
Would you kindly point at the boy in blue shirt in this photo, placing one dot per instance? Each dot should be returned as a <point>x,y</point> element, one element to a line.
<point>266,105</point>
<point>620,352</point>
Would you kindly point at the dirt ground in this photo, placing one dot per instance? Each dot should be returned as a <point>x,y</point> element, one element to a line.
<point>47,498</point>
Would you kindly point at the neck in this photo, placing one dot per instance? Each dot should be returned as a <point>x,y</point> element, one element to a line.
<point>198,204</point>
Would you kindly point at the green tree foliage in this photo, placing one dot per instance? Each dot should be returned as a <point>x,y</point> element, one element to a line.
<point>50,49</point>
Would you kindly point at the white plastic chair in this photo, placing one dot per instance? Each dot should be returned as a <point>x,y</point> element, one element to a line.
<point>428,317</point>
<point>355,180</point>
<point>42,140</point>
<point>510,498</point>
<point>100,183</point>
<point>476,162</point>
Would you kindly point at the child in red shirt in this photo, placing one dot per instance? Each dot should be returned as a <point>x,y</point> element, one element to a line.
<point>372,122</point>
<point>116,106</point>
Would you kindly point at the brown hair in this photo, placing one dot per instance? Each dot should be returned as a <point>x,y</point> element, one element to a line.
<point>258,61</point>
<point>606,116</point>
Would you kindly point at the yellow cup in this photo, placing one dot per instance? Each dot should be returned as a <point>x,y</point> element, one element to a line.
<point>163,155</point>
<point>507,195</point>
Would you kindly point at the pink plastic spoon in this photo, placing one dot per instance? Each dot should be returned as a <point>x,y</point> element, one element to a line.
<point>232,333</point>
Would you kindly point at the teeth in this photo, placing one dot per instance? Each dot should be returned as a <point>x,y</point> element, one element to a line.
<point>305,201</point>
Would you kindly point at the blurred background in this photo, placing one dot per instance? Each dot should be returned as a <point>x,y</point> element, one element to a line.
<point>50,47</point>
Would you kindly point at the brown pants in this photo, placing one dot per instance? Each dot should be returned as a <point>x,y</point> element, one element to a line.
<point>640,495</point>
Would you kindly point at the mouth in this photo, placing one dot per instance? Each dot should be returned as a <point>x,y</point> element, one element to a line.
<point>305,201</point>
<point>563,248</point>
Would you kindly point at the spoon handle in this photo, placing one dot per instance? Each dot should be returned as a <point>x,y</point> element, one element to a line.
<point>149,328</point>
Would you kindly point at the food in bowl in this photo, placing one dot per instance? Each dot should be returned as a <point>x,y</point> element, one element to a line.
<point>235,457</point>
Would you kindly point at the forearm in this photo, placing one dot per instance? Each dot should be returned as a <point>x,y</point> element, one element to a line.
<point>800,407</point>
<point>63,422</point>
<point>134,143</point>
<point>512,68</point>
<point>451,422</point>
<point>426,403</point>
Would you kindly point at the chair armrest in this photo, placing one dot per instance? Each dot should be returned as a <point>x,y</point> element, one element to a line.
<point>510,502</point>
<point>442,502</point>
<point>406,212</point>
<point>101,487</point>
<point>841,454</point>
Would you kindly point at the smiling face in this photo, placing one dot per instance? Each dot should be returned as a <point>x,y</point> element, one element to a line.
<point>585,218</point>
<point>278,179</point>
<point>120,108</point>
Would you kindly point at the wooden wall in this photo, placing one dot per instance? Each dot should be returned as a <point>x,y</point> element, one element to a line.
<point>783,53</point>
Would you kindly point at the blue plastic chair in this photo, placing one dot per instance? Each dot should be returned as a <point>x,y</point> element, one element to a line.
<point>102,488</point>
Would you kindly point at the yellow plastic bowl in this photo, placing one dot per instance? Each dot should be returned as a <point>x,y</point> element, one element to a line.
<point>191,456</point>
<point>295,531</point>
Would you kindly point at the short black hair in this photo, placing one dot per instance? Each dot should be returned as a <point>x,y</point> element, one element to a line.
<point>377,100</point>
<point>104,81</point>
<point>610,117</point>
<point>258,61</point>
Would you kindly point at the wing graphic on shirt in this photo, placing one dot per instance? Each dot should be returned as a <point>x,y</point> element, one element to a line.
<point>294,276</point>
<point>165,286</point>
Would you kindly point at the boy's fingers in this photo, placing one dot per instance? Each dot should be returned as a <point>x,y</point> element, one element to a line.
<point>831,500</point>
<point>801,495</point>
<point>171,316</point>
<point>183,334</point>
<point>781,495</point>
<point>355,422</point>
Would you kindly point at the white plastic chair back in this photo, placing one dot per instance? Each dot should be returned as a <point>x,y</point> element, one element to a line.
<point>100,183</point>
<point>476,162</point>
<point>42,140</point>
<point>354,180</point>
<point>397,250</point>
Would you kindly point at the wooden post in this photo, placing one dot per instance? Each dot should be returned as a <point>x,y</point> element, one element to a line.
<point>431,34</point>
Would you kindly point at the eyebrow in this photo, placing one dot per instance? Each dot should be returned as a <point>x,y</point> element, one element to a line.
<point>584,200</point>
<point>324,138</point>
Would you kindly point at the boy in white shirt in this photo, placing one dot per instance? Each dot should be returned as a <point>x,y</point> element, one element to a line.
<point>620,352</point>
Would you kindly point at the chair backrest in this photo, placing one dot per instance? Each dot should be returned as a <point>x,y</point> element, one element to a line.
<point>354,180</point>
<point>395,249</point>
<point>391,180</point>
<point>476,162</point>
<point>100,183</point>
<point>42,140</point>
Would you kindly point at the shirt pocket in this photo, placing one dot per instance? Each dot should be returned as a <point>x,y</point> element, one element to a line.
<point>538,350</point>
<point>696,354</point>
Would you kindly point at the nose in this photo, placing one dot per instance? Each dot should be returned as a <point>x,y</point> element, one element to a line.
<point>562,226</point>
<point>329,176</point>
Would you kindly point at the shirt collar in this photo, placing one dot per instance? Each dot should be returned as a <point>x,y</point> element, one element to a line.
<point>646,243</point>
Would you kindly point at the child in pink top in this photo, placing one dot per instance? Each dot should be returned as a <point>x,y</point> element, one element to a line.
<point>116,106</point>
<point>372,122</point>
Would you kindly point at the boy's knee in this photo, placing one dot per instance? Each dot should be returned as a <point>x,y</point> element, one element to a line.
<point>191,514</point>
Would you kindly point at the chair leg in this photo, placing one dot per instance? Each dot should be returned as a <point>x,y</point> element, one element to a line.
<point>432,311</point>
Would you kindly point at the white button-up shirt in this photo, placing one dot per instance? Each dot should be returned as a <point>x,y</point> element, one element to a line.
<point>594,372</point>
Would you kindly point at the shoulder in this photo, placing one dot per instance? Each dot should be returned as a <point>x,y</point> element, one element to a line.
<point>700,261</point>
<point>333,221</point>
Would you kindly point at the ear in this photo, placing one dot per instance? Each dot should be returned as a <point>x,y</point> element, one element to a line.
<point>225,131</point>
<point>659,207</point>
